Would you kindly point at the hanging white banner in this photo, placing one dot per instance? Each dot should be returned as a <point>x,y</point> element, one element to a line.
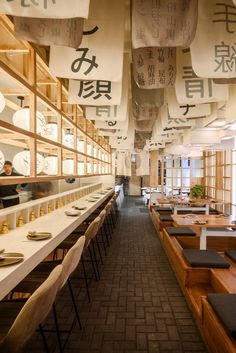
<point>45,31</point>
<point>213,51</point>
<point>112,124</point>
<point>177,110</point>
<point>144,113</point>
<point>147,97</point>
<point>100,55</point>
<point>191,89</point>
<point>163,23</point>
<point>123,163</point>
<point>45,8</point>
<point>142,163</point>
<point>102,93</point>
<point>154,67</point>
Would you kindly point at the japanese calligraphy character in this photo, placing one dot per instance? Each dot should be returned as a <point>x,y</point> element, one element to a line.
<point>151,74</point>
<point>141,79</point>
<point>187,106</point>
<point>227,57</point>
<point>149,53</point>
<point>91,31</point>
<point>194,86</point>
<point>111,123</point>
<point>162,76</point>
<point>227,14</point>
<point>25,3</point>
<point>140,61</point>
<point>107,110</point>
<point>77,63</point>
<point>160,55</point>
<point>102,87</point>
<point>171,73</point>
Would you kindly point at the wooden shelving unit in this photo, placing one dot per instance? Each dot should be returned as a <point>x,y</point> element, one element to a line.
<point>66,135</point>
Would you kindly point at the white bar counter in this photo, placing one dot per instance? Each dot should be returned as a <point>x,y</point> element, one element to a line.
<point>57,223</point>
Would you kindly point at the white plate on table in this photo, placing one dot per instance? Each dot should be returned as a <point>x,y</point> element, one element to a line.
<point>39,235</point>
<point>10,258</point>
<point>72,213</point>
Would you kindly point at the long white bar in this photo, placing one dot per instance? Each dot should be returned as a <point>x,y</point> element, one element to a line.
<point>34,252</point>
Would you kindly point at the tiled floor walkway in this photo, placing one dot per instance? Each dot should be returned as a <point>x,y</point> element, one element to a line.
<point>137,305</point>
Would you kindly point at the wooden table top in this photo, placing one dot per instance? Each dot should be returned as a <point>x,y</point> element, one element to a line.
<point>212,221</point>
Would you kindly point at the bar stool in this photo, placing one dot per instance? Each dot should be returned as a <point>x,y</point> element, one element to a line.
<point>29,314</point>
<point>38,275</point>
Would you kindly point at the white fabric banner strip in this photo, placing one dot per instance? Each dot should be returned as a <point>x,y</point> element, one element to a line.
<point>45,8</point>
<point>177,110</point>
<point>123,163</point>
<point>102,93</point>
<point>154,67</point>
<point>112,124</point>
<point>144,113</point>
<point>213,50</point>
<point>147,97</point>
<point>46,31</point>
<point>234,1</point>
<point>231,106</point>
<point>142,163</point>
<point>191,89</point>
<point>163,23</point>
<point>92,60</point>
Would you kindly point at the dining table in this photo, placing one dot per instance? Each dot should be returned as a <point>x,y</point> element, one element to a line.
<point>208,225</point>
<point>58,223</point>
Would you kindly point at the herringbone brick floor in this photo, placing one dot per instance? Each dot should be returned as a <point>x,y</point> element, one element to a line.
<point>137,306</point>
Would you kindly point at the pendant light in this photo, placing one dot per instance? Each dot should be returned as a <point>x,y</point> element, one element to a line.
<point>21,162</point>
<point>51,165</point>
<point>51,131</point>
<point>68,138</point>
<point>21,118</point>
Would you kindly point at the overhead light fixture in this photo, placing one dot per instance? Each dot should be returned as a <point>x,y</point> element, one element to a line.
<point>21,162</point>
<point>68,166</point>
<point>226,138</point>
<point>68,138</point>
<point>2,102</point>
<point>80,167</point>
<point>21,118</point>
<point>51,131</point>
<point>219,122</point>
<point>51,165</point>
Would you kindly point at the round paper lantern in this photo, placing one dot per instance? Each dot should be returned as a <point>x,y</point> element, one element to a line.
<point>2,160</point>
<point>68,166</point>
<point>51,165</point>
<point>89,168</point>
<point>21,118</point>
<point>68,139</point>
<point>50,131</point>
<point>21,162</point>
<point>80,145</point>
<point>80,168</point>
<point>89,149</point>
<point>2,102</point>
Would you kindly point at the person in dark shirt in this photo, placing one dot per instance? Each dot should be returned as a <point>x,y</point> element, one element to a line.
<point>9,193</point>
